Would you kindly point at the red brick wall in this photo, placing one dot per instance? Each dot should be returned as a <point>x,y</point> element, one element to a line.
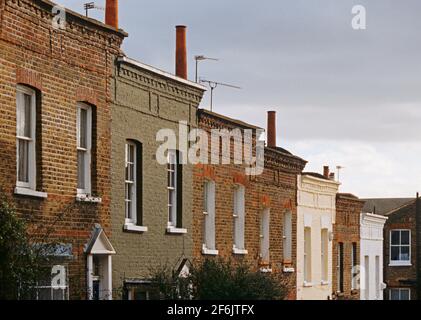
<point>275,188</point>
<point>65,66</point>
<point>347,231</point>
<point>401,277</point>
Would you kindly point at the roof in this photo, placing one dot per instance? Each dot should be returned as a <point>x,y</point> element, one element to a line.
<point>99,243</point>
<point>384,206</point>
<point>160,72</point>
<point>316,175</point>
<point>228,119</point>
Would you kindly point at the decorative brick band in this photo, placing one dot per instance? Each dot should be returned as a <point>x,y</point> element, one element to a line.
<point>288,204</point>
<point>86,95</point>
<point>265,201</point>
<point>29,77</point>
<point>208,172</point>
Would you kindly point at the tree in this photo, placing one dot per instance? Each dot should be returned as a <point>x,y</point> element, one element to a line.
<point>219,280</point>
<point>20,261</point>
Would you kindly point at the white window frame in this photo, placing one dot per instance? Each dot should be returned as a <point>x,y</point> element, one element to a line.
<point>88,150</point>
<point>287,236</point>
<point>172,190</point>
<point>209,243</point>
<point>52,287</point>
<point>131,217</point>
<point>324,255</point>
<point>400,293</point>
<point>31,184</point>
<point>265,236</point>
<point>307,273</point>
<point>354,266</point>
<point>400,262</point>
<point>239,220</point>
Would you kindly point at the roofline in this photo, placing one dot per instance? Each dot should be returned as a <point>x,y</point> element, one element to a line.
<point>387,213</point>
<point>232,120</point>
<point>161,72</point>
<point>94,22</point>
<point>284,154</point>
<point>374,217</point>
<point>320,179</point>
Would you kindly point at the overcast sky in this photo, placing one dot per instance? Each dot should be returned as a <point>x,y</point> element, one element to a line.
<point>343,97</point>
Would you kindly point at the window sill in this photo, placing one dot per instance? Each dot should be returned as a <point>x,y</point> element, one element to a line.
<point>134,228</point>
<point>30,193</point>
<point>288,270</point>
<point>172,230</point>
<point>266,270</point>
<point>239,251</point>
<point>307,284</point>
<point>209,252</point>
<point>88,199</point>
<point>400,264</point>
<point>324,283</point>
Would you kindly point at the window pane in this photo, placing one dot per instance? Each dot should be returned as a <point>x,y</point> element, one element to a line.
<point>394,253</point>
<point>395,237</point>
<point>83,128</point>
<point>404,295</point>
<point>59,294</point>
<point>81,170</point>
<point>405,253</point>
<point>27,116</point>
<point>405,237</point>
<point>44,294</point>
<point>394,294</point>
<point>23,165</point>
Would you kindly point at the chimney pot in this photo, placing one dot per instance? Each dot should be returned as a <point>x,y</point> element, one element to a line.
<point>271,134</point>
<point>326,171</point>
<point>181,52</point>
<point>111,13</point>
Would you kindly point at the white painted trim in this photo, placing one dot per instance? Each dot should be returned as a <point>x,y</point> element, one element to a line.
<point>88,154</point>
<point>400,264</point>
<point>30,193</point>
<point>239,251</point>
<point>288,270</point>
<point>87,198</point>
<point>173,230</point>
<point>161,73</point>
<point>133,228</point>
<point>209,252</point>
<point>307,284</point>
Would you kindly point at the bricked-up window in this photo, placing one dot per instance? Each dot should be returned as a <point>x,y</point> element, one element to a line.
<point>84,148</point>
<point>403,294</point>
<point>287,237</point>
<point>26,137</point>
<point>264,236</point>
<point>307,255</point>
<point>354,266</point>
<point>325,255</point>
<point>133,182</point>
<point>400,247</point>
<point>209,217</point>
<point>174,187</point>
<point>239,219</point>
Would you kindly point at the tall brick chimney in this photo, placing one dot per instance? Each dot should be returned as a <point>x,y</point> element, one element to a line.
<point>271,129</point>
<point>326,172</point>
<point>111,13</point>
<point>181,52</point>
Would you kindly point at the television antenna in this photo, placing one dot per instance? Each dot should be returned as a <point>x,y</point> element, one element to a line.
<point>91,5</point>
<point>213,85</point>
<point>201,58</point>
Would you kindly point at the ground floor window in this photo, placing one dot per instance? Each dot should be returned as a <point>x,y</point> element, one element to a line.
<point>400,294</point>
<point>54,284</point>
<point>140,292</point>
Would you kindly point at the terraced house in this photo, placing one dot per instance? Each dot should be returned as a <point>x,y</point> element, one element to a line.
<point>151,202</point>
<point>55,139</point>
<point>242,217</point>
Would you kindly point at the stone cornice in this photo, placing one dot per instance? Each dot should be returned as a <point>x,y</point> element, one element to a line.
<point>314,184</point>
<point>282,161</point>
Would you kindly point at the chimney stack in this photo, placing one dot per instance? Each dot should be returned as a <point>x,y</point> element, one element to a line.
<point>326,172</point>
<point>181,52</point>
<point>111,13</point>
<point>271,129</point>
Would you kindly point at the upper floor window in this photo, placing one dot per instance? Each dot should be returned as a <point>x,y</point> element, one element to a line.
<point>133,186</point>
<point>26,137</point>
<point>265,236</point>
<point>307,256</point>
<point>325,255</point>
<point>400,247</point>
<point>209,246</point>
<point>354,266</point>
<point>84,148</point>
<point>174,187</point>
<point>400,294</point>
<point>287,237</point>
<point>239,220</point>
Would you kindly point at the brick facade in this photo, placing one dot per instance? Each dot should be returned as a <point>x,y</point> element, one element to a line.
<point>347,232</point>
<point>401,276</point>
<point>274,189</point>
<point>65,67</point>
